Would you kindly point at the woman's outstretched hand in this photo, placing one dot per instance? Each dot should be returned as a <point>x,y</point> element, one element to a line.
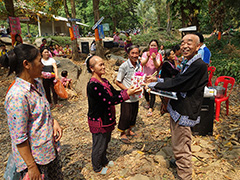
<point>134,90</point>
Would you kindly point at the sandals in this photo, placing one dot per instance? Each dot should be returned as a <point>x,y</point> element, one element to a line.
<point>110,164</point>
<point>147,106</point>
<point>149,114</point>
<point>58,105</point>
<point>133,134</point>
<point>125,140</point>
<point>104,171</point>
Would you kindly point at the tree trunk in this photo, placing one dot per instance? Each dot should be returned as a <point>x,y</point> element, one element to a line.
<point>75,53</point>
<point>184,17</point>
<point>158,8</point>
<point>114,19</point>
<point>66,9</point>
<point>218,15</point>
<point>144,27</point>
<point>9,7</point>
<point>168,19</point>
<point>99,45</point>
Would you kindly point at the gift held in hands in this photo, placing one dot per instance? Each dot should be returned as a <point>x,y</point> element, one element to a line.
<point>137,79</point>
<point>48,75</point>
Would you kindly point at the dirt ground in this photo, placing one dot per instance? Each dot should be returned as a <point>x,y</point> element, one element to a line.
<point>215,157</point>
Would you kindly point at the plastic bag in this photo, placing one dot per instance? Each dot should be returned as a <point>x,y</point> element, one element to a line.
<point>60,90</point>
<point>11,170</point>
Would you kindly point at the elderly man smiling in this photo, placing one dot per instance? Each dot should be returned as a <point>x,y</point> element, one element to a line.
<point>185,112</point>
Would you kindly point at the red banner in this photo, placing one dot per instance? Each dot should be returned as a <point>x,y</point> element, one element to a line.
<point>15,25</point>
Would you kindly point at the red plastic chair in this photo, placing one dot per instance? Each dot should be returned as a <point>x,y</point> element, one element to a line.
<point>211,71</point>
<point>226,80</point>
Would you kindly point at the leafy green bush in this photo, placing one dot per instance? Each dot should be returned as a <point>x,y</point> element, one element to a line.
<point>163,38</point>
<point>227,67</point>
<point>61,40</point>
<point>225,56</point>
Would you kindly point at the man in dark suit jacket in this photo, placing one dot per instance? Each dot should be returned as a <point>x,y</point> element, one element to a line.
<point>185,112</point>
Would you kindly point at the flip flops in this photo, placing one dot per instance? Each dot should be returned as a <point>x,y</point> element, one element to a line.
<point>149,114</point>
<point>147,106</point>
<point>125,140</point>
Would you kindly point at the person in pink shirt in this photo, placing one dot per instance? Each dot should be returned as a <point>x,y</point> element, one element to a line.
<point>151,62</point>
<point>56,50</point>
<point>67,83</point>
<point>116,37</point>
<point>34,133</point>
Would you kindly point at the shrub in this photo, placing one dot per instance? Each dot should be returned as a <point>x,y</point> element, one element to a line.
<point>225,56</point>
<point>163,38</point>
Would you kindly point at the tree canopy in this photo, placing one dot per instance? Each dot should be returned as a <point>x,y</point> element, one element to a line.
<point>207,15</point>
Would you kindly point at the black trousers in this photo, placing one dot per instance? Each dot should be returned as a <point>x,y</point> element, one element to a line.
<point>49,86</point>
<point>128,115</point>
<point>152,98</point>
<point>99,150</point>
<point>51,171</point>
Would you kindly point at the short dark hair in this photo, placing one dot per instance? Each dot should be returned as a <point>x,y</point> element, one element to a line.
<point>64,73</point>
<point>14,59</point>
<point>201,38</point>
<point>175,48</point>
<point>44,39</point>
<point>167,53</point>
<point>132,47</point>
<point>16,36</point>
<point>43,48</point>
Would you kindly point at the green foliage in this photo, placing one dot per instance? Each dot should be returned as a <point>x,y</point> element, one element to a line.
<point>61,40</point>
<point>163,38</point>
<point>225,56</point>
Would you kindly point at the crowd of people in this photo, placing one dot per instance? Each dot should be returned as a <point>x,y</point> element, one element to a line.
<point>35,134</point>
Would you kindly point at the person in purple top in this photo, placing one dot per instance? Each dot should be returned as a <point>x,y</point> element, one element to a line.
<point>102,98</point>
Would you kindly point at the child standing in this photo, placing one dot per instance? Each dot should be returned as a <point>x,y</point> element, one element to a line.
<point>129,108</point>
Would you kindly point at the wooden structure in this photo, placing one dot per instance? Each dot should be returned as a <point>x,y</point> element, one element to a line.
<point>47,24</point>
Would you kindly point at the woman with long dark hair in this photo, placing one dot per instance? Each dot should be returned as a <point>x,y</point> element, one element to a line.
<point>34,133</point>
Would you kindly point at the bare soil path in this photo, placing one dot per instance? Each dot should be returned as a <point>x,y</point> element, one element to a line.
<point>215,157</point>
